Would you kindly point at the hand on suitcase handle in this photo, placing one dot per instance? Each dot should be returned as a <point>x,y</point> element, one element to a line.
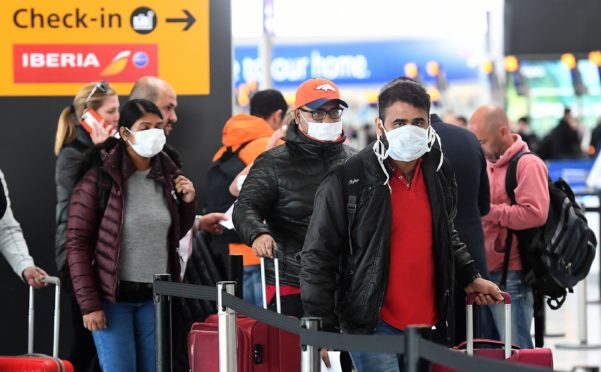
<point>35,277</point>
<point>264,246</point>
<point>472,297</point>
<point>487,292</point>
<point>51,280</point>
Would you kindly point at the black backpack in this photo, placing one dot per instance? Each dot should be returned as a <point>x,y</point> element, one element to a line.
<point>220,175</point>
<point>351,173</point>
<point>558,254</point>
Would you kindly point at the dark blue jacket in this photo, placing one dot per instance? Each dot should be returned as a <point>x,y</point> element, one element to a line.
<point>464,152</point>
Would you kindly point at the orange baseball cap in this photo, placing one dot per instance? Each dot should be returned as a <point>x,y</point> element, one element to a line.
<point>315,93</point>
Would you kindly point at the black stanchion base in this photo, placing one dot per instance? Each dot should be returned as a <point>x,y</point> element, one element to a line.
<point>555,335</point>
<point>578,346</point>
<point>585,369</point>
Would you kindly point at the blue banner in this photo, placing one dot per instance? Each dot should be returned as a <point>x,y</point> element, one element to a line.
<point>359,63</point>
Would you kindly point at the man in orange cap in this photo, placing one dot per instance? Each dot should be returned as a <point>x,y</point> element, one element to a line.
<point>274,208</point>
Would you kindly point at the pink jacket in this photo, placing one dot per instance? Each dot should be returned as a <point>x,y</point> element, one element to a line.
<point>531,208</point>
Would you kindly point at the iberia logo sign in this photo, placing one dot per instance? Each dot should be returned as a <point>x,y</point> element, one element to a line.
<point>82,63</point>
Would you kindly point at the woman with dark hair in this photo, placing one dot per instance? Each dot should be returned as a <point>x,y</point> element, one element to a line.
<point>126,217</point>
<point>72,140</point>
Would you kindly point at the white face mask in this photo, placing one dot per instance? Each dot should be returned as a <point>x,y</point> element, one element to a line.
<point>324,131</point>
<point>149,142</point>
<point>399,139</point>
<point>409,142</point>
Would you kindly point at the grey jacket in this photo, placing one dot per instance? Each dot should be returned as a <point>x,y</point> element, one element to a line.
<point>12,242</point>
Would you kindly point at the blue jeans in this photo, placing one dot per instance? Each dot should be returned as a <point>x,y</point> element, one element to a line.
<point>252,285</point>
<point>379,362</point>
<point>127,344</point>
<point>488,329</point>
<point>522,309</point>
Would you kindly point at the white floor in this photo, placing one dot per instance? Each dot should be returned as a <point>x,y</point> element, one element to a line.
<point>565,321</point>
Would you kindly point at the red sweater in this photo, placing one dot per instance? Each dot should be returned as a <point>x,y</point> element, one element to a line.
<point>410,295</point>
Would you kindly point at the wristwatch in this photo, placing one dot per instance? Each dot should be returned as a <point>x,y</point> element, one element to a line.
<point>197,220</point>
<point>476,277</point>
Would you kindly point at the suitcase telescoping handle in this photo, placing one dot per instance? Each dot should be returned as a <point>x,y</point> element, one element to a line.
<point>276,264</point>
<point>57,314</point>
<point>470,323</point>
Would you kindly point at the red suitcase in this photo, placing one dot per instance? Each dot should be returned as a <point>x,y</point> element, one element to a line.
<point>261,348</point>
<point>540,357</point>
<point>39,362</point>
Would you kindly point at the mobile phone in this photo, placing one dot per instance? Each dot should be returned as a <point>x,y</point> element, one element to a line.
<point>91,118</point>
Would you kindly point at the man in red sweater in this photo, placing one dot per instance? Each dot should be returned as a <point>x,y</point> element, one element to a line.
<point>404,254</point>
<point>491,126</point>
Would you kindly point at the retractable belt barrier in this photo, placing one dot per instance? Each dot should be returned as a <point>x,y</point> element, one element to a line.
<point>410,343</point>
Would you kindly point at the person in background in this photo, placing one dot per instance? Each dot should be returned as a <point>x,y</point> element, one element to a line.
<point>491,126</point>
<point>72,141</point>
<point>525,131</point>
<point>596,138</point>
<point>159,92</point>
<point>13,246</point>
<point>245,137</point>
<point>275,205</point>
<point>465,155</point>
<point>457,120</point>
<point>563,142</point>
<point>146,205</point>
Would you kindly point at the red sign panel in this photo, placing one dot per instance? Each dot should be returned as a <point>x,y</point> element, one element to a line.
<point>82,63</point>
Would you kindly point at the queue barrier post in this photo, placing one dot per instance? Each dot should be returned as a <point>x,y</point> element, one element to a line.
<point>228,359</point>
<point>310,355</point>
<point>162,326</point>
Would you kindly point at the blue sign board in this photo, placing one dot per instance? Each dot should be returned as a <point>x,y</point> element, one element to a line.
<point>574,172</point>
<point>358,63</point>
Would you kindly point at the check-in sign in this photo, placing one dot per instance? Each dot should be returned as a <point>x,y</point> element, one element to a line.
<point>53,47</point>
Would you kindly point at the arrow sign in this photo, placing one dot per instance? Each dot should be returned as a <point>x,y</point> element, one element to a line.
<point>189,20</point>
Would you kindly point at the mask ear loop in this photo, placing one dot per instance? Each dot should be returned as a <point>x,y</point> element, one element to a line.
<point>432,138</point>
<point>132,133</point>
<point>382,154</point>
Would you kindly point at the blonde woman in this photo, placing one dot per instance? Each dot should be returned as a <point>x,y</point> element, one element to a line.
<point>100,101</point>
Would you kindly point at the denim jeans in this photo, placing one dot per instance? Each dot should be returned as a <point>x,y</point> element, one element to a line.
<point>488,329</point>
<point>252,285</point>
<point>522,310</point>
<point>379,362</point>
<point>127,344</point>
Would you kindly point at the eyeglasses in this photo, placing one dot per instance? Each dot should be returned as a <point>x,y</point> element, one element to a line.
<point>334,113</point>
<point>102,86</point>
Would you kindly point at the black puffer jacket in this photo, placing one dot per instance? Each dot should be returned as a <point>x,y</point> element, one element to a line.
<point>359,281</point>
<point>66,176</point>
<point>279,190</point>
